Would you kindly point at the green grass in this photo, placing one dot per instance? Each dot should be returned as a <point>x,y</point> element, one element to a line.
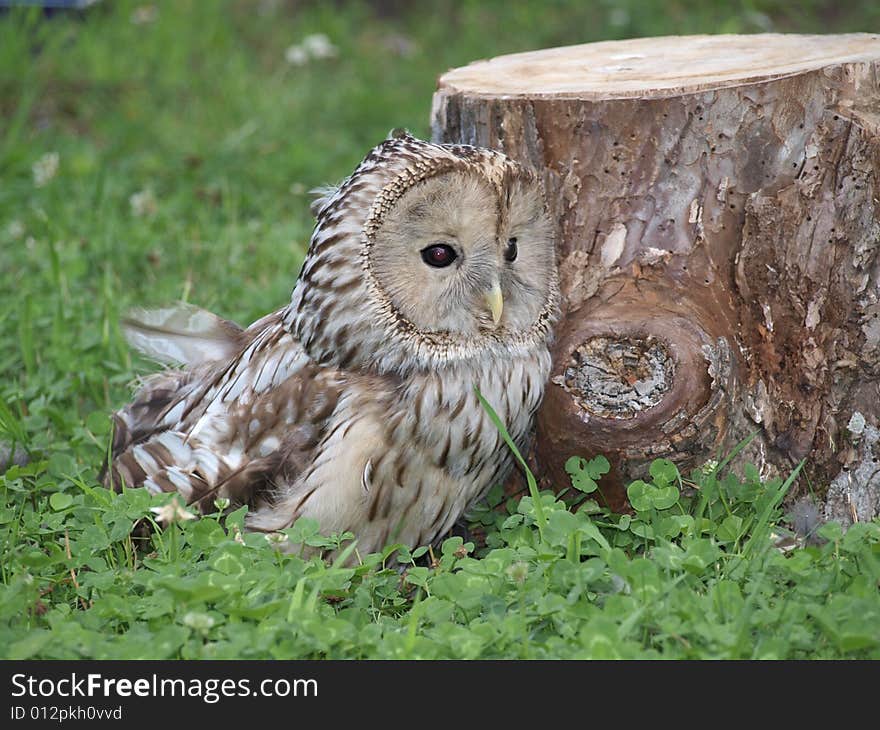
<point>695,573</point>
<point>217,137</point>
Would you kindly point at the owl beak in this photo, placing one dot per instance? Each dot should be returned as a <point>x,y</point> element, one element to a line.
<point>496,303</point>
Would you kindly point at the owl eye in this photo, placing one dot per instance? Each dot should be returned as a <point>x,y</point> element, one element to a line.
<point>510,251</point>
<point>439,255</point>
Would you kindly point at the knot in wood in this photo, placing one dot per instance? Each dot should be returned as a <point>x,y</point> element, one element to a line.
<point>620,377</point>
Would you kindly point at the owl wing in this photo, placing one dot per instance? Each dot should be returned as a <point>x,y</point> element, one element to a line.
<point>182,334</point>
<point>228,426</point>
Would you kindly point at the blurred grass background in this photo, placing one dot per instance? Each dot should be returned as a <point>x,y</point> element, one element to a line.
<point>154,152</point>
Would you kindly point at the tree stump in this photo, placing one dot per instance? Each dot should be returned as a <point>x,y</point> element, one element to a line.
<point>718,201</point>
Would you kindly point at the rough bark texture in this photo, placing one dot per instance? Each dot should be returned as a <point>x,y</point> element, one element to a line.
<point>718,201</point>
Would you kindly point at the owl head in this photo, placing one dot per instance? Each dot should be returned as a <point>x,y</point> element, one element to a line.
<point>427,255</point>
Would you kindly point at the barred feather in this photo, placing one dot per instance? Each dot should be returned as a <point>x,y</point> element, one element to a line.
<point>181,335</point>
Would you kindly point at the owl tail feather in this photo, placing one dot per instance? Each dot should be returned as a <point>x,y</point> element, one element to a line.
<point>181,334</point>
<point>175,462</point>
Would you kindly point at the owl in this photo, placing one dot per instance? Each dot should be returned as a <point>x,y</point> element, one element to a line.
<point>430,274</point>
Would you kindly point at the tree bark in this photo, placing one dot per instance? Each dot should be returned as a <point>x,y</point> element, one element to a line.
<point>718,202</point>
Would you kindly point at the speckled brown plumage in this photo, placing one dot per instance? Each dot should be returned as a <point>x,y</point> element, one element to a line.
<point>355,404</point>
